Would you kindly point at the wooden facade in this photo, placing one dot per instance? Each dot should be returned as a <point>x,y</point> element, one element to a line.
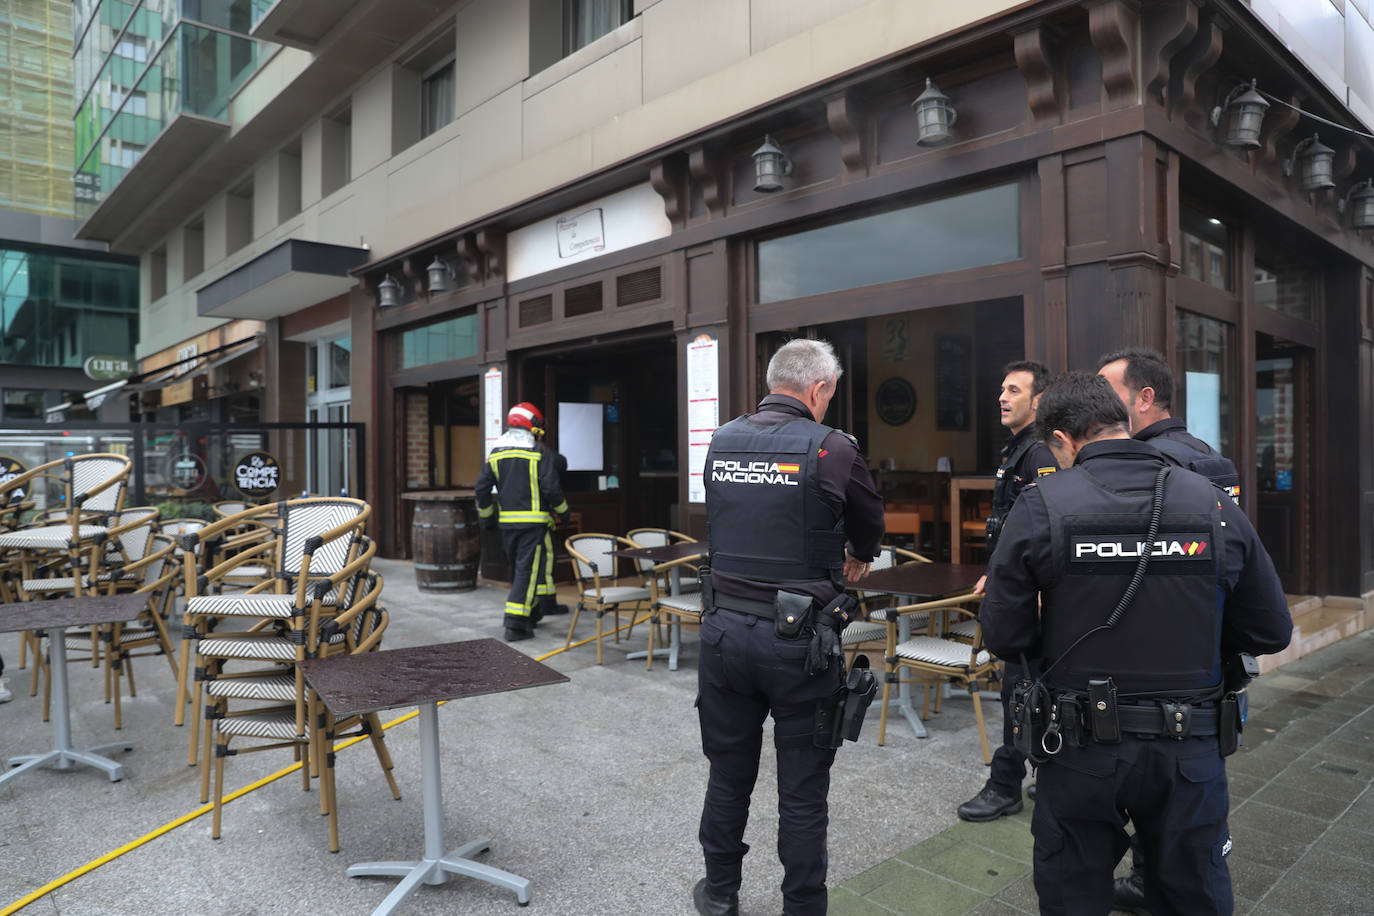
<point>1099,114</point>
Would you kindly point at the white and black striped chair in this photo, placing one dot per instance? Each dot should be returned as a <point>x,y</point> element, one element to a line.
<point>662,537</point>
<point>595,568</point>
<point>872,625</point>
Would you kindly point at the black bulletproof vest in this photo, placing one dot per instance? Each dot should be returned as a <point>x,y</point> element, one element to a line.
<point>1005,491</point>
<point>1168,640</point>
<point>1216,468</point>
<point>766,518</point>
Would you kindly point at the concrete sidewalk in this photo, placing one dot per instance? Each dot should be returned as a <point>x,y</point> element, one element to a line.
<point>592,789</point>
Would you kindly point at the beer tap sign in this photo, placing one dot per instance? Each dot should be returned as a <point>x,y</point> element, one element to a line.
<point>257,475</point>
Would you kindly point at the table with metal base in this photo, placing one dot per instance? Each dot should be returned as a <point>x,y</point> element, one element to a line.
<point>422,676</point>
<point>919,582</point>
<point>54,617</point>
<point>667,553</point>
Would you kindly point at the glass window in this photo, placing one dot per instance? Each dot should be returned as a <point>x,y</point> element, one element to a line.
<point>312,369</point>
<point>339,353</point>
<point>57,310</point>
<point>968,230</point>
<point>1206,248</point>
<point>588,20</point>
<point>1205,385</point>
<point>23,404</point>
<point>436,100</point>
<point>1286,284</point>
<point>455,338</point>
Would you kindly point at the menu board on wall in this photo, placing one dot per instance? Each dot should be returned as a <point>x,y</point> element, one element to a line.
<point>703,410</point>
<point>493,414</point>
<point>953,381</point>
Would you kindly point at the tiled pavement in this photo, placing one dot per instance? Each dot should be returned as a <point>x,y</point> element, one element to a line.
<point>1302,813</point>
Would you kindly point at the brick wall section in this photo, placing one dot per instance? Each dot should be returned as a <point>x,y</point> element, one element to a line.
<point>417,439</point>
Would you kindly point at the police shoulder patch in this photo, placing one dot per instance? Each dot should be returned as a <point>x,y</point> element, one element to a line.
<point>848,436</point>
<point>1045,472</point>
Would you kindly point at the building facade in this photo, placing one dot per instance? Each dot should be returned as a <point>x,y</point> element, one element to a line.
<point>618,209</point>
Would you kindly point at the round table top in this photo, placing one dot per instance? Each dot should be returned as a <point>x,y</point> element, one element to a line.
<point>439,495</point>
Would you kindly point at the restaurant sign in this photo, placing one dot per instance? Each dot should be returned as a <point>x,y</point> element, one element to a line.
<point>107,368</point>
<point>11,468</point>
<point>257,475</point>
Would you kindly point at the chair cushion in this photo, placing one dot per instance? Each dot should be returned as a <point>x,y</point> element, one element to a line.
<point>619,594</point>
<point>249,646</point>
<point>686,604</point>
<point>964,629</point>
<point>55,584</point>
<point>863,631</point>
<point>247,571</point>
<point>52,537</point>
<point>278,726</point>
<point>280,607</point>
<point>281,688</point>
<point>935,651</point>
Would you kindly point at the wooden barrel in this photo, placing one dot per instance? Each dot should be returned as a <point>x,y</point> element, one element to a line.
<point>445,540</point>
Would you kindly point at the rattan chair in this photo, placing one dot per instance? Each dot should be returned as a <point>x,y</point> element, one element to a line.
<point>595,568</point>
<point>873,605</point>
<point>662,537</point>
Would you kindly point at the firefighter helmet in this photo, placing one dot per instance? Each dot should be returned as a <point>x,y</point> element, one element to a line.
<point>526,416</point>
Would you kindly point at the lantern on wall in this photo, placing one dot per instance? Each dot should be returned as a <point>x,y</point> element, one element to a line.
<point>934,116</point>
<point>1244,109</point>
<point>439,275</point>
<point>388,292</point>
<point>1313,162</point>
<point>771,165</point>
<point>1360,200</point>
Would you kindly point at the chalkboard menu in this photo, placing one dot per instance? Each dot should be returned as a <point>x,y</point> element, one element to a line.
<point>953,381</point>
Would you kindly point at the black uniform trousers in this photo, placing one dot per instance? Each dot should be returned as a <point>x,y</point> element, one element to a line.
<point>1176,794</point>
<point>1008,764</point>
<point>526,553</point>
<point>745,673</point>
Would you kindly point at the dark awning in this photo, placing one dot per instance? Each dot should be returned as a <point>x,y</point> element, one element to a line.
<point>285,279</point>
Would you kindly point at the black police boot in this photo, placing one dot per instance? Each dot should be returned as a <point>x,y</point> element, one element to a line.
<point>708,904</point>
<point>989,805</point>
<point>1128,893</point>
<point>515,635</point>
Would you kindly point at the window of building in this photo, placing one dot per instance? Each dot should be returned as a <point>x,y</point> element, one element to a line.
<point>1204,388</point>
<point>584,21</point>
<point>1286,284</point>
<point>455,338</point>
<point>436,99</point>
<point>336,166</point>
<point>157,273</point>
<point>338,366</point>
<point>132,50</point>
<point>967,230</point>
<point>23,404</point>
<point>239,216</point>
<point>1206,248</point>
<point>193,248</point>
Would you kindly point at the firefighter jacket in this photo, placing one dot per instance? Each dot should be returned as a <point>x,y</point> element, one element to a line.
<point>1074,539</point>
<point>525,479</point>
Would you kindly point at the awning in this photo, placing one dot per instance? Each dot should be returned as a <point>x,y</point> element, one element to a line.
<point>98,396</point>
<point>282,280</point>
<point>202,365</point>
<point>57,414</point>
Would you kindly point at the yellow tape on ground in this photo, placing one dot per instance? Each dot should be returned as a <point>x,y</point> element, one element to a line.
<point>92,865</point>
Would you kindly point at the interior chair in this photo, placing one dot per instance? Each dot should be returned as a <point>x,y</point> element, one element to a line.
<point>662,537</point>
<point>931,661</point>
<point>871,626</point>
<point>594,567</point>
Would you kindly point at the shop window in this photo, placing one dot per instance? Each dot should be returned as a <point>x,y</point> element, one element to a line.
<point>1206,248</point>
<point>23,404</point>
<point>954,233</point>
<point>1287,285</point>
<point>640,286</point>
<point>440,342</point>
<point>340,355</point>
<point>582,300</point>
<point>1204,386</point>
<point>538,310</point>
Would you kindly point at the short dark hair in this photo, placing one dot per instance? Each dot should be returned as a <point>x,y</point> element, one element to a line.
<point>1081,404</point>
<point>1145,368</point>
<point>1040,373</point>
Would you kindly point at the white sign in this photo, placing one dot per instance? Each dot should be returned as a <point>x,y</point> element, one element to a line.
<point>493,412</point>
<point>580,435</point>
<point>1204,406</point>
<point>703,410</point>
<point>621,220</point>
<point>184,355</point>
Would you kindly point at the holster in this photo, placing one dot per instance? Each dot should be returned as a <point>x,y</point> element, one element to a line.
<point>1229,724</point>
<point>708,594</point>
<point>840,716</point>
<point>1032,708</point>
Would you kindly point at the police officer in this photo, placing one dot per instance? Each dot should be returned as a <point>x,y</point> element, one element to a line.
<point>783,493</point>
<point>1144,382</point>
<point>1024,459</point>
<point>1143,712</point>
<point>526,482</point>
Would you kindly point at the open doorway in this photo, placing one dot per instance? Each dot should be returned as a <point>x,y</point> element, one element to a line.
<point>1283,445</point>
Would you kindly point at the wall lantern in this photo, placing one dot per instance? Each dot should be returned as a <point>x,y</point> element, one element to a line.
<point>388,292</point>
<point>1313,161</point>
<point>439,274</point>
<point>1244,108</point>
<point>1360,198</point>
<point>934,116</point>
<point>771,165</point>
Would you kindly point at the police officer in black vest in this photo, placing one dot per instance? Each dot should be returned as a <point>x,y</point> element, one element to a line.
<point>1024,459</point>
<point>1133,677</point>
<point>783,494</point>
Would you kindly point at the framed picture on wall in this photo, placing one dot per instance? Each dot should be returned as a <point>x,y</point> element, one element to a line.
<point>953,381</point>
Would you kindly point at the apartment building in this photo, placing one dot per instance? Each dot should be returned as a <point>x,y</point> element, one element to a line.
<point>61,301</point>
<point>618,208</point>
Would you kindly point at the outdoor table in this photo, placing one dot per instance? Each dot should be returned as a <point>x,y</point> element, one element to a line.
<point>55,616</point>
<point>668,553</point>
<point>422,676</point>
<point>921,582</point>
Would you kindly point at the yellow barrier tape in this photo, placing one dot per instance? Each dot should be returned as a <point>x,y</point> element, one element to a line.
<point>92,865</point>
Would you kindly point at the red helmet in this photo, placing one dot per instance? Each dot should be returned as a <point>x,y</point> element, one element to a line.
<point>526,416</point>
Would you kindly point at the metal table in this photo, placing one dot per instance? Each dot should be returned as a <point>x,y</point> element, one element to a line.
<point>54,617</point>
<point>668,553</point>
<point>919,582</point>
<point>422,676</point>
